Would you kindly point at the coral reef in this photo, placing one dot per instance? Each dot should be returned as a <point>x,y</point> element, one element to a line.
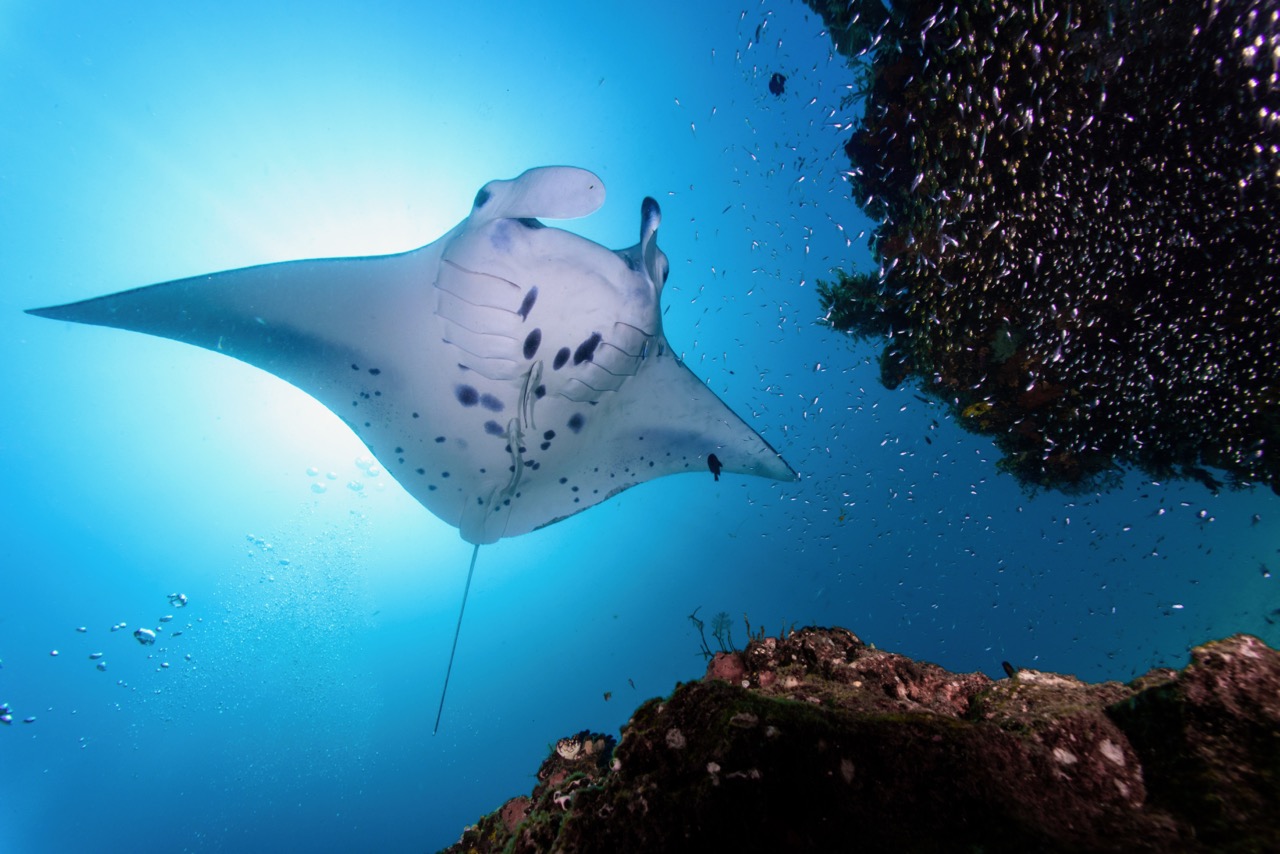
<point>819,742</point>
<point>1078,225</point>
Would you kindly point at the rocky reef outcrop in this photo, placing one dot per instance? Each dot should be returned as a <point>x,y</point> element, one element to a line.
<point>820,742</point>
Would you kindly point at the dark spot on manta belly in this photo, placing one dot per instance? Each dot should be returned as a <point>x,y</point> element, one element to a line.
<point>562,356</point>
<point>467,395</point>
<point>576,421</point>
<point>540,392</point>
<point>375,371</point>
<point>549,435</point>
<point>500,235</point>
<point>526,305</point>
<point>531,342</point>
<point>493,428</point>
<point>587,349</point>
<point>491,403</point>
<point>481,198</point>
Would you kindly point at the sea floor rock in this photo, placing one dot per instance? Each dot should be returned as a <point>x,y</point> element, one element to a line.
<point>823,743</point>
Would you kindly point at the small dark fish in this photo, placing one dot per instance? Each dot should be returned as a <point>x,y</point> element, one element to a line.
<point>778,83</point>
<point>607,695</point>
<point>1009,669</point>
<point>713,463</point>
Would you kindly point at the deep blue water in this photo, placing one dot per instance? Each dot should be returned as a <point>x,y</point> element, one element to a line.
<point>144,141</point>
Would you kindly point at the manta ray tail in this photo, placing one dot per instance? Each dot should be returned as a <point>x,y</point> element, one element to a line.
<point>465,590</point>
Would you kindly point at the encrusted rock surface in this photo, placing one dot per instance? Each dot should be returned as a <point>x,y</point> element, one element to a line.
<point>822,743</point>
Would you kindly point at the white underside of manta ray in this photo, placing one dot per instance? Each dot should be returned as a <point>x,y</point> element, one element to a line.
<point>508,375</point>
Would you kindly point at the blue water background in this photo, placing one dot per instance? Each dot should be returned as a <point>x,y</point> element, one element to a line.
<point>142,142</point>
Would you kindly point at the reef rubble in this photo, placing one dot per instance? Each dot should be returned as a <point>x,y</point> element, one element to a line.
<point>822,742</point>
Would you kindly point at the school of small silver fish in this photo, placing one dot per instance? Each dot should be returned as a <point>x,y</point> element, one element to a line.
<point>1078,240</point>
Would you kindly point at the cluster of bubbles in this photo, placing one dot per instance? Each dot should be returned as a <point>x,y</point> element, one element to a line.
<point>1079,227</point>
<point>6,716</point>
<point>265,547</point>
<point>367,465</point>
<point>319,487</point>
<point>145,636</point>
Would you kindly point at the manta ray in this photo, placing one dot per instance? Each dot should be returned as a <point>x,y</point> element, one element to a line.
<point>508,375</point>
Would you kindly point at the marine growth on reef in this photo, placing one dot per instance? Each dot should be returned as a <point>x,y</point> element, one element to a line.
<point>1078,227</point>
